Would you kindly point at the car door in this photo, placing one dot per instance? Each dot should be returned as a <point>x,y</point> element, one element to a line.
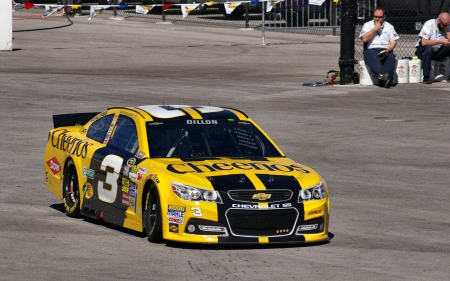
<point>113,193</point>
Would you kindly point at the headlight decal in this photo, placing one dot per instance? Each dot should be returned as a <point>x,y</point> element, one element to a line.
<point>191,193</point>
<point>316,192</point>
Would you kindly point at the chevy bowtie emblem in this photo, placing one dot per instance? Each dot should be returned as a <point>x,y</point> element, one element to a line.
<point>261,196</point>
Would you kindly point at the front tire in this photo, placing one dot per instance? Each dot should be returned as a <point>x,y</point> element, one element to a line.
<point>71,190</point>
<point>152,214</point>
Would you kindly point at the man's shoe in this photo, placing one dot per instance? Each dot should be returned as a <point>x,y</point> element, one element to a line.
<point>426,80</point>
<point>383,77</point>
<point>388,83</point>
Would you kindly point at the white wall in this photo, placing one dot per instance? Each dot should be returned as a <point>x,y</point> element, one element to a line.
<point>5,25</point>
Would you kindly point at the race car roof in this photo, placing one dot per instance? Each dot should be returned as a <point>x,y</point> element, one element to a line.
<point>159,112</point>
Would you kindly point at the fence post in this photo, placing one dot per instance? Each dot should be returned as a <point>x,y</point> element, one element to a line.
<point>246,16</point>
<point>347,59</point>
<point>163,12</point>
<point>263,30</point>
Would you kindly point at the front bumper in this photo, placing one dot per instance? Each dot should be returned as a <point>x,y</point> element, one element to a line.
<point>303,223</point>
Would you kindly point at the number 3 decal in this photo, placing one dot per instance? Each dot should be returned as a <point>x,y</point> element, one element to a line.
<point>114,162</point>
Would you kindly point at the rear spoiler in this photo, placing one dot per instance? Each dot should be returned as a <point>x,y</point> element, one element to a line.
<point>72,119</point>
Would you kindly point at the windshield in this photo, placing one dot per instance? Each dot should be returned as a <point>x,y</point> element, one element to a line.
<point>208,139</point>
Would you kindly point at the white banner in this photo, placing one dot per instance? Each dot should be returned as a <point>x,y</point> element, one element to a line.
<point>144,9</point>
<point>316,2</point>
<point>187,8</point>
<point>97,10</point>
<point>49,10</point>
<point>271,4</point>
<point>230,6</point>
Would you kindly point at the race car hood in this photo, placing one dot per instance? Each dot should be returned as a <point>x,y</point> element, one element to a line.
<point>238,170</point>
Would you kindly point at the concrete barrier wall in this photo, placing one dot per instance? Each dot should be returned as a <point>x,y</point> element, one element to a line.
<point>5,25</point>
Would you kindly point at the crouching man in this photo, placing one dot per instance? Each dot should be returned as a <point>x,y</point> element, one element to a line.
<point>380,39</point>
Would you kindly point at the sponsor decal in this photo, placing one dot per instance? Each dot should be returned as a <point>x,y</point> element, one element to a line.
<point>88,190</point>
<point>261,196</point>
<point>125,182</point>
<point>111,127</point>
<point>308,227</point>
<point>129,114</point>
<point>132,192</point>
<point>132,176</point>
<point>140,154</point>
<point>201,122</point>
<point>125,189</point>
<point>315,212</point>
<point>125,196</point>
<point>254,166</point>
<point>69,144</point>
<point>54,165</point>
<point>176,220</point>
<point>125,202</point>
<point>256,206</point>
<point>131,162</point>
<point>100,115</point>
<point>88,173</point>
<point>126,171</point>
<point>177,208</point>
<point>46,177</point>
<point>173,227</point>
<point>108,136</point>
<point>134,169</point>
<point>142,170</point>
<point>175,214</point>
<point>154,177</point>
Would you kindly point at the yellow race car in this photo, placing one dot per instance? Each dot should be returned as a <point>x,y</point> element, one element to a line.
<point>197,174</point>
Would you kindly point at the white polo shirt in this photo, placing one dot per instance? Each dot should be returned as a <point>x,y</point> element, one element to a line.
<point>430,31</point>
<point>384,36</point>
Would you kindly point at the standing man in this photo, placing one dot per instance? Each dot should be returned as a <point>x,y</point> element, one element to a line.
<point>380,39</point>
<point>433,43</point>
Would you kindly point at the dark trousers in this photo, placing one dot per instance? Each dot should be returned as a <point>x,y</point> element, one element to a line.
<point>426,54</point>
<point>376,65</point>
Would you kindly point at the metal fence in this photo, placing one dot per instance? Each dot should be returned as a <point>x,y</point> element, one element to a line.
<point>294,16</point>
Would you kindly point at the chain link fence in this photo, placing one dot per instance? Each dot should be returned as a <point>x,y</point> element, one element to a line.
<point>294,16</point>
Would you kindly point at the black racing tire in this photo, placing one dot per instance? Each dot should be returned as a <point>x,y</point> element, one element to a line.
<point>71,190</point>
<point>152,215</point>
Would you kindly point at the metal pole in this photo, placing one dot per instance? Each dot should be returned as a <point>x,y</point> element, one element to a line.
<point>347,59</point>
<point>115,9</point>
<point>263,30</point>
<point>246,15</point>
<point>163,12</point>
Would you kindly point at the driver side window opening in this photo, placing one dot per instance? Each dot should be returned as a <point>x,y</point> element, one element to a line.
<point>97,131</point>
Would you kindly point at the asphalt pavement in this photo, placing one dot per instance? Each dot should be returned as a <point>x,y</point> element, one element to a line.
<point>383,152</point>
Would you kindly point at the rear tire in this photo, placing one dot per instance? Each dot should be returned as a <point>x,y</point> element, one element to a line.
<point>71,190</point>
<point>152,215</point>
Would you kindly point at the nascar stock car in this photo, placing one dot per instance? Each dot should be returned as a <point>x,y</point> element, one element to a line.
<point>197,174</point>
